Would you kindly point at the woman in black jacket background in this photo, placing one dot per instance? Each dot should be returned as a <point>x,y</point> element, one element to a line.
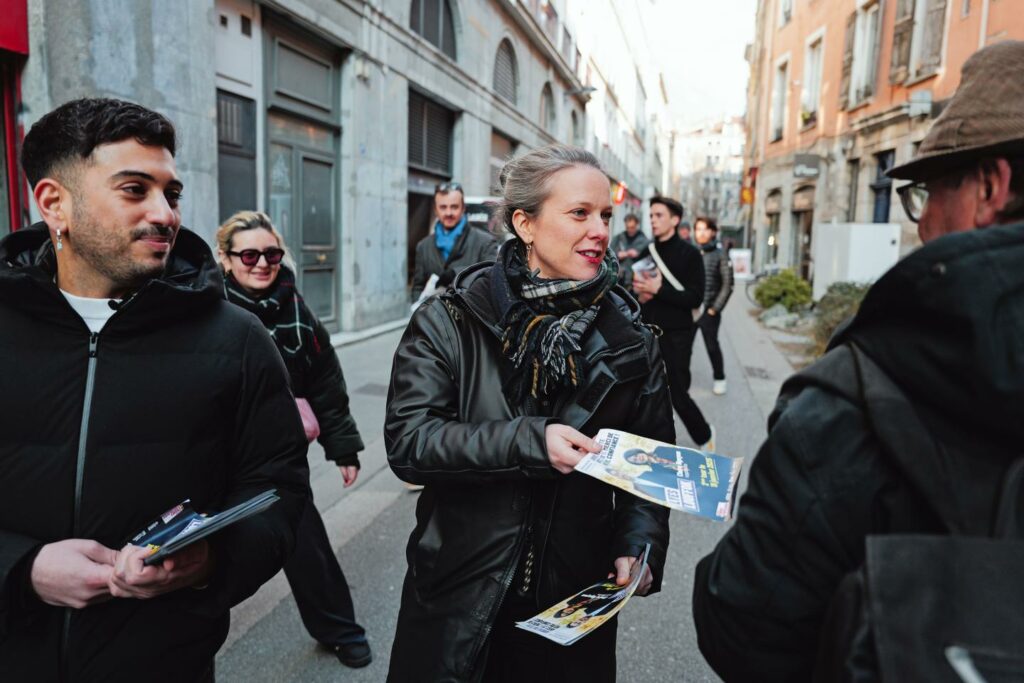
<point>252,253</point>
<point>495,390</point>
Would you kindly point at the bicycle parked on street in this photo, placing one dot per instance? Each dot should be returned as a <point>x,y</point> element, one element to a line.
<point>755,281</point>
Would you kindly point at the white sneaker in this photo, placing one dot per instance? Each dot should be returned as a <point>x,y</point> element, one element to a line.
<point>709,447</point>
<point>719,387</point>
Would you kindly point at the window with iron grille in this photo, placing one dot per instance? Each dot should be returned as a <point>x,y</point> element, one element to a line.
<point>882,186</point>
<point>236,153</point>
<point>506,72</point>
<point>430,134</point>
<point>433,20</point>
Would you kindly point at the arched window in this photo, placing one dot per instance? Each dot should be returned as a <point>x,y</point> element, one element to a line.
<point>432,19</point>
<point>506,72</point>
<point>547,109</point>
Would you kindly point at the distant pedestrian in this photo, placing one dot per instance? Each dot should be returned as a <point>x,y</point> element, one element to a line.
<point>855,553</point>
<point>670,296</point>
<point>685,234</point>
<point>717,289</point>
<point>452,245</point>
<point>252,254</point>
<point>627,246</point>
<point>128,386</point>
<point>496,390</point>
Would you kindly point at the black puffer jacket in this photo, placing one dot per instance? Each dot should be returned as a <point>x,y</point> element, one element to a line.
<point>473,246</point>
<point>946,327</point>
<point>485,466</point>
<point>718,280</point>
<point>188,399</point>
<point>312,362</point>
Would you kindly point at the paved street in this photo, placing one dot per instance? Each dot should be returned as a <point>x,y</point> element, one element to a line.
<point>370,523</point>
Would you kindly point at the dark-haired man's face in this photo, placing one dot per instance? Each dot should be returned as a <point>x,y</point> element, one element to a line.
<point>631,226</point>
<point>449,207</point>
<point>703,233</point>
<point>124,215</point>
<point>663,223</point>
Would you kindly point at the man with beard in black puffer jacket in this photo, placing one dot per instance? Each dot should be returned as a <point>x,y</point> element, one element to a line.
<point>931,369</point>
<point>127,385</point>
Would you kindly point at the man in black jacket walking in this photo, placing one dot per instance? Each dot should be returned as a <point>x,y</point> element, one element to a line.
<point>717,289</point>
<point>929,369</point>
<point>452,245</point>
<point>128,385</point>
<point>669,300</point>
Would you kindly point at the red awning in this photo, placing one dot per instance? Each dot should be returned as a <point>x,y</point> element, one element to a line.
<point>14,27</point>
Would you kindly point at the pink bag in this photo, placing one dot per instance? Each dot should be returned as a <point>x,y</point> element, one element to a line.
<point>309,421</point>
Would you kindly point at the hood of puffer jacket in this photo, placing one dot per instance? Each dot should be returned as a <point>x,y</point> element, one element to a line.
<point>191,279</point>
<point>947,325</point>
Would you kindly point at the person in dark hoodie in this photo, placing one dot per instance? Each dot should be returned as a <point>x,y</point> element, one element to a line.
<point>128,385</point>
<point>932,365</point>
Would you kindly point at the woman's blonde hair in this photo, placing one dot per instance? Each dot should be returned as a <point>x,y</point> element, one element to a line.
<point>250,220</point>
<point>524,180</point>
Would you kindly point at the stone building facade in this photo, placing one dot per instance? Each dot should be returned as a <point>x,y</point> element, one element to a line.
<point>339,117</point>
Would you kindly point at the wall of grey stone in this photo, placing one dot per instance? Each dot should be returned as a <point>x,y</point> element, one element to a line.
<point>157,54</point>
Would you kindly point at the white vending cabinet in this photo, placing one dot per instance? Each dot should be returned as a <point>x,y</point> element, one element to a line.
<point>853,252</point>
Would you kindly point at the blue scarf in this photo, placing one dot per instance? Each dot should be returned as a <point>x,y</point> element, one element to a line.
<point>445,239</point>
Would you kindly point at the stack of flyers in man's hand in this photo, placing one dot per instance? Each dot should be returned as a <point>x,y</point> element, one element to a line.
<point>681,478</point>
<point>181,526</point>
<point>575,617</point>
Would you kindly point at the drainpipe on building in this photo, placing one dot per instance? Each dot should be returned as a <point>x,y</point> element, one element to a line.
<point>983,31</point>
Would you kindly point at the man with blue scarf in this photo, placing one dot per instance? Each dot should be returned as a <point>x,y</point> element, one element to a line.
<point>452,245</point>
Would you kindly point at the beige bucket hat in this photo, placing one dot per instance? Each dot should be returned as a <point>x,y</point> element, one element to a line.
<point>984,118</point>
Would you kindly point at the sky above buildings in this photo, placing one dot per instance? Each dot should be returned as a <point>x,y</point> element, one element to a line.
<point>699,45</point>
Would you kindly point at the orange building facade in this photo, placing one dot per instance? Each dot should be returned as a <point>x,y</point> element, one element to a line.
<point>840,91</point>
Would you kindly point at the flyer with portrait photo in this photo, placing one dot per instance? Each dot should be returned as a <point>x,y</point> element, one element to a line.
<point>576,616</point>
<point>681,478</point>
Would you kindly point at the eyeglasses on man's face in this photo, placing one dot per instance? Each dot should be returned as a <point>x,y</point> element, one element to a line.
<point>913,196</point>
<point>250,257</point>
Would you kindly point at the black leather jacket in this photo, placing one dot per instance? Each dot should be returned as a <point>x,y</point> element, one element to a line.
<point>485,466</point>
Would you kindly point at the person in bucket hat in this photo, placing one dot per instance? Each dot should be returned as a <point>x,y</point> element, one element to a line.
<point>969,170</point>
<point>920,394</point>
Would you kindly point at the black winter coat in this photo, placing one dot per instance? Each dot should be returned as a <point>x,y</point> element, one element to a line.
<point>181,395</point>
<point>718,280</point>
<point>946,326</point>
<point>473,246</point>
<point>313,368</point>
<point>485,465</point>
<point>672,309</point>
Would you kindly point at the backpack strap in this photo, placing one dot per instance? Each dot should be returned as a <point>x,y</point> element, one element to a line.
<point>665,272</point>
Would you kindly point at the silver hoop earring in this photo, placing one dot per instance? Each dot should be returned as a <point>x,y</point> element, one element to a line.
<point>60,242</point>
<point>529,246</point>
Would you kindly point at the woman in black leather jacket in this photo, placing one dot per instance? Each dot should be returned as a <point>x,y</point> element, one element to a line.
<point>251,253</point>
<point>496,389</point>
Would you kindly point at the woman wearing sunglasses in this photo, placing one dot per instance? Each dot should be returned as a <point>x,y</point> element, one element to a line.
<point>496,390</point>
<point>256,278</point>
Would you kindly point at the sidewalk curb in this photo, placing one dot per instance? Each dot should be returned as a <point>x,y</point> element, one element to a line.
<point>339,339</point>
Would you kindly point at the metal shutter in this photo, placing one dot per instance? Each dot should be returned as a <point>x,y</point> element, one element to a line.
<point>439,138</point>
<point>417,104</point>
<point>505,72</point>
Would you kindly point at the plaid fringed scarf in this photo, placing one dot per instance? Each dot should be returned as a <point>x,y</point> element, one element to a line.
<point>543,322</point>
<point>285,315</point>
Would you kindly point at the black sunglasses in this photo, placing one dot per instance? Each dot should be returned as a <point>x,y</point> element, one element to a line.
<point>447,187</point>
<point>251,257</point>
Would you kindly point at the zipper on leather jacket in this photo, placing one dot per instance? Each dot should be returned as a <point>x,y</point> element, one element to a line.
<point>83,434</point>
<point>528,563</point>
